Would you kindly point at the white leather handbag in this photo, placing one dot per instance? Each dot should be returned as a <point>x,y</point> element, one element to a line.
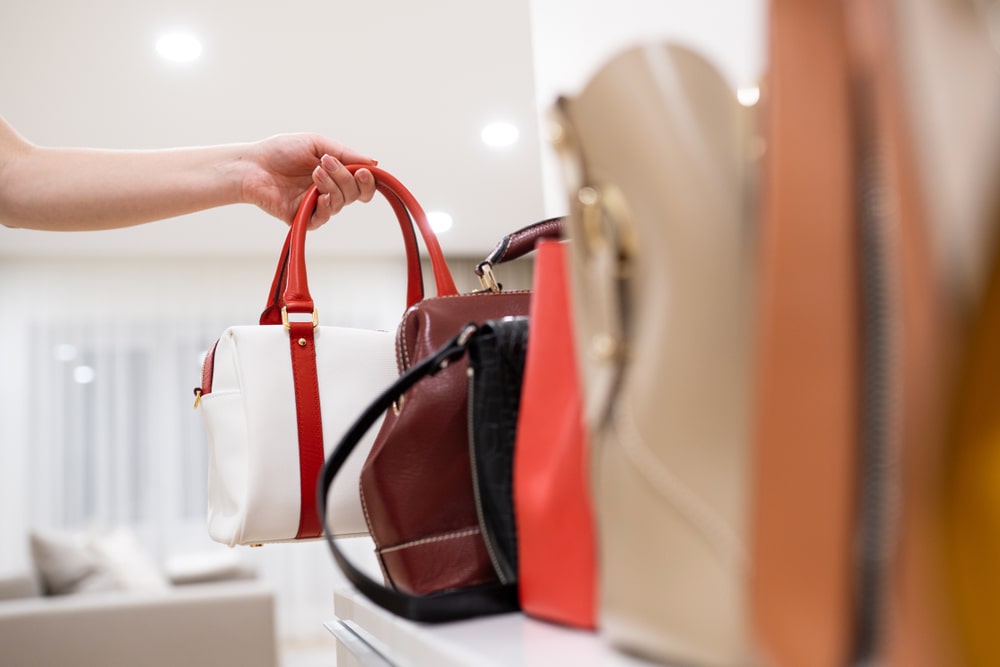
<point>659,167</point>
<point>277,397</point>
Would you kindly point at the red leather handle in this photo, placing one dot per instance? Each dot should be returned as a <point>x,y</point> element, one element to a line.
<point>444,284</point>
<point>290,286</point>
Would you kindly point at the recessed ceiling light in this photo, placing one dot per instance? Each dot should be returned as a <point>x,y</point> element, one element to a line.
<point>440,221</point>
<point>500,135</point>
<point>84,374</point>
<point>748,95</point>
<point>179,46</point>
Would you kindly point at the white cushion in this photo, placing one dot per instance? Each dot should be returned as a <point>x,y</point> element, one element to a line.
<point>129,563</point>
<point>87,562</point>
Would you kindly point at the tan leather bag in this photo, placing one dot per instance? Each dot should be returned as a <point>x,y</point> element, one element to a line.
<point>852,354</point>
<point>808,373</point>
<point>658,156</point>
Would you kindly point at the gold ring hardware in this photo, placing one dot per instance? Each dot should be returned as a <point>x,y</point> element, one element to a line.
<point>397,405</point>
<point>285,322</point>
<point>588,196</point>
<point>487,279</point>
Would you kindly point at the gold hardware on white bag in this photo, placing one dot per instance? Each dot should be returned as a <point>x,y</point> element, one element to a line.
<point>285,321</point>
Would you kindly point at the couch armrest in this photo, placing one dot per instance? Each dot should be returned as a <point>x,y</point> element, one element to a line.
<point>192,626</point>
<point>19,585</point>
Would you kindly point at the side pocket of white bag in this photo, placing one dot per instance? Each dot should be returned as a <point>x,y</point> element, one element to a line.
<point>223,411</point>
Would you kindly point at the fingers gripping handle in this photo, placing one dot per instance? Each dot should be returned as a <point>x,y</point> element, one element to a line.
<point>290,288</point>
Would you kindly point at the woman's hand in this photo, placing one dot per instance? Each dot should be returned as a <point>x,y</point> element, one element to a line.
<point>284,166</point>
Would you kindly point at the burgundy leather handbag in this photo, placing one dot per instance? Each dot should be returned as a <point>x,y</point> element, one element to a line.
<point>427,536</point>
<point>496,352</point>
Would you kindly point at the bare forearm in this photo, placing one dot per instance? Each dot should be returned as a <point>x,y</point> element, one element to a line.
<point>86,189</point>
<point>62,189</point>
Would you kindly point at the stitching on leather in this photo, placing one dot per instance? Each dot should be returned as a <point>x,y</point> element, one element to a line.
<point>468,532</point>
<point>533,230</point>
<point>371,533</point>
<point>364,510</point>
<point>402,358</point>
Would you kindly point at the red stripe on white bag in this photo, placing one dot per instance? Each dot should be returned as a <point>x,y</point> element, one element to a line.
<point>310,424</point>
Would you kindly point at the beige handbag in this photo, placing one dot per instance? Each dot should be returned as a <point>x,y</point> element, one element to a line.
<point>659,163</point>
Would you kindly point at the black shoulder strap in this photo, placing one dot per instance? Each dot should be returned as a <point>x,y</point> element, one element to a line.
<point>437,607</point>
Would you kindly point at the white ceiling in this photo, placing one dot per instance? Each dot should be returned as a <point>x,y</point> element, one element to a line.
<point>411,83</point>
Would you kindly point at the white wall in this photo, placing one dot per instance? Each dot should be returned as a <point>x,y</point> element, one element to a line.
<point>572,39</point>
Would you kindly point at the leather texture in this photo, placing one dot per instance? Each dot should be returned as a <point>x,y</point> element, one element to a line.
<point>496,373</point>
<point>462,600</point>
<point>428,538</point>
<point>557,568</point>
<point>969,502</point>
<point>420,544</point>
<point>523,241</point>
<point>254,482</point>
<point>807,421</point>
<point>302,346</point>
<point>846,563</point>
<point>275,398</point>
<point>659,165</point>
<point>942,156</point>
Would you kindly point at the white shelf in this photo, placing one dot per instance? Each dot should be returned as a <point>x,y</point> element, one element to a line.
<point>369,636</point>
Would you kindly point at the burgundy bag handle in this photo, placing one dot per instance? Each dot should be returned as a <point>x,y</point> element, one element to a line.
<point>290,289</point>
<point>517,244</point>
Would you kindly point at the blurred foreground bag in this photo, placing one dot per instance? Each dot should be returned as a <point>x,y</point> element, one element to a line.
<point>276,396</point>
<point>851,345</point>
<point>970,491</point>
<point>658,157</point>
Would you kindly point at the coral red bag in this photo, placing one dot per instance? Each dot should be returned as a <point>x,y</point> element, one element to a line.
<point>556,559</point>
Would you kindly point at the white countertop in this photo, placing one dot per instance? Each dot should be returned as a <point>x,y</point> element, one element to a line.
<point>377,638</point>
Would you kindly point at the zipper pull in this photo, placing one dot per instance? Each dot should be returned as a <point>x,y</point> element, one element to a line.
<point>197,397</point>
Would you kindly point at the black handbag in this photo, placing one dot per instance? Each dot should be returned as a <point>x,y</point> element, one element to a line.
<point>496,364</point>
<point>496,371</point>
